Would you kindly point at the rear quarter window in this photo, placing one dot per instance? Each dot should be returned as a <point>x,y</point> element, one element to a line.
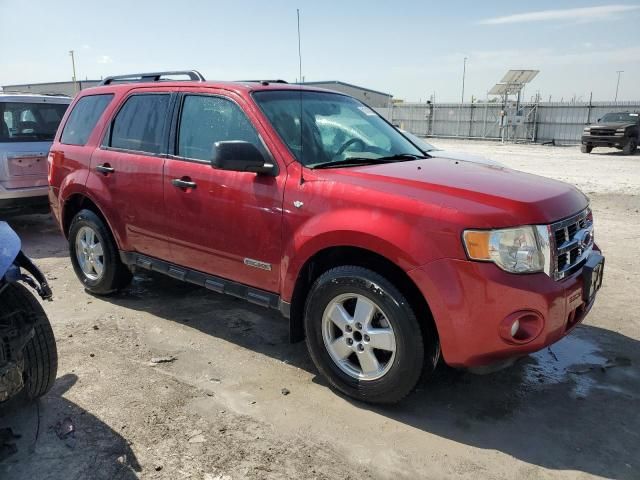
<point>83,119</point>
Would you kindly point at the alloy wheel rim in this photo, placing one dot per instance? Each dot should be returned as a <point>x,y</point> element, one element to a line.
<point>90,253</point>
<point>358,337</point>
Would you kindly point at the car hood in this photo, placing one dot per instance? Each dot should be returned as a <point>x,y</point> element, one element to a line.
<point>463,156</point>
<point>482,196</point>
<point>612,125</point>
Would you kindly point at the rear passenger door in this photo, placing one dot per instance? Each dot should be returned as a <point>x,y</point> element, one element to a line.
<point>230,223</point>
<point>127,172</point>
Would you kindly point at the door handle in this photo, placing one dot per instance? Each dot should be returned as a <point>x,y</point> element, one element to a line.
<point>105,168</point>
<point>180,183</point>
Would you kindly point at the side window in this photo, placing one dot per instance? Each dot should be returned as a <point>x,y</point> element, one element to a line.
<point>139,125</point>
<point>206,120</point>
<point>83,119</point>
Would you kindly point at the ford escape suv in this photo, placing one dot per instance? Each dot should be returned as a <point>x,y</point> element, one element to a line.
<point>386,259</point>
<point>28,124</point>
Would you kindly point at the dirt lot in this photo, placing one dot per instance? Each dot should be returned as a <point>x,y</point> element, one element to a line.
<point>218,410</point>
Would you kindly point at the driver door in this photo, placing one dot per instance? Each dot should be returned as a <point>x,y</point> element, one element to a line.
<point>226,223</point>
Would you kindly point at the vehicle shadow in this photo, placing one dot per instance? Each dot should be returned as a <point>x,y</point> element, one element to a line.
<point>32,228</point>
<point>47,449</point>
<point>572,407</point>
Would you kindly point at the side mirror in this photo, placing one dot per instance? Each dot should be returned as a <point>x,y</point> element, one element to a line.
<point>240,156</point>
<point>599,120</point>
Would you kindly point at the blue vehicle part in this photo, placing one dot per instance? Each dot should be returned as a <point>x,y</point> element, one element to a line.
<point>10,246</point>
<point>12,260</point>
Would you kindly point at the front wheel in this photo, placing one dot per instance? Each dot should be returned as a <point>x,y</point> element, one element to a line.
<point>363,335</point>
<point>586,148</point>
<point>631,147</point>
<point>94,255</point>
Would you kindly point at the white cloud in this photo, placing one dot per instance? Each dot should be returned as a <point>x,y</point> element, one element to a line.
<point>105,59</point>
<point>585,14</point>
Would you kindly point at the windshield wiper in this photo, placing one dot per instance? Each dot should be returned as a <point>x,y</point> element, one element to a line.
<point>358,161</point>
<point>402,156</point>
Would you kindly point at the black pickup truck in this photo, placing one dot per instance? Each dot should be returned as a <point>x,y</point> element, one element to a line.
<point>620,130</point>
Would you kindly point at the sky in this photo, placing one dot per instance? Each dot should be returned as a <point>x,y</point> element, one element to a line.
<point>412,49</point>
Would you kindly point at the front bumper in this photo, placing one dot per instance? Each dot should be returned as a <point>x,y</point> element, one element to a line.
<point>604,141</point>
<point>470,302</point>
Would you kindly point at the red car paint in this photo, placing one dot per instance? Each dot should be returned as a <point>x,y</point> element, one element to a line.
<point>412,213</point>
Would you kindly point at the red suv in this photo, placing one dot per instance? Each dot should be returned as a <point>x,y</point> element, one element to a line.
<point>304,200</point>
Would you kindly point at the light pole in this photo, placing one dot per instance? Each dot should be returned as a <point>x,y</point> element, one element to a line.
<point>73,66</point>
<point>464,73</point>
<point>618,84</point>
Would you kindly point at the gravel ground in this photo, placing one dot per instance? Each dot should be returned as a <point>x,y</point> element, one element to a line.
<point>218,411</point>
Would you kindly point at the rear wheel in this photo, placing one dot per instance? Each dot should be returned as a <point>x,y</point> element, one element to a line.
<point>40,355</point>
<point>631,147</point>
<point>94,255</point>
<point>586,148</point>
<point>363,335</point>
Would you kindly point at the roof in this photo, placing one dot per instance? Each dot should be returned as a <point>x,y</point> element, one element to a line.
<point>238,87</point>
<point>338,82</point>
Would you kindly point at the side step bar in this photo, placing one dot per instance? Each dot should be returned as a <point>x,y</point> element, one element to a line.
<point>211,282</point>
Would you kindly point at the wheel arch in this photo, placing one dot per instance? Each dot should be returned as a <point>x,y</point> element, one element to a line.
<point>335,256</point>
<point>78,202</point>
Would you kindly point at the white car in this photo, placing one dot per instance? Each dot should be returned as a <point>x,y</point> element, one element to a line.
<point>433,151</point>
<point>28,124</point>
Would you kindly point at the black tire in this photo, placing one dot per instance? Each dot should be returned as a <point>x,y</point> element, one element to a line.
<point>631,147</point>
<point>407,365</point>
<point>586,148</point>
<point>116,275</point>
<point>40,354</point>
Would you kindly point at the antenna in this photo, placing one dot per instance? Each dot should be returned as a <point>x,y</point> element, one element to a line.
<point>300,90</point>
<point>299,49</point>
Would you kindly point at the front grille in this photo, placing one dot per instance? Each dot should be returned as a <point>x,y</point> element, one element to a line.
<point>573,242</point>
<point>603,132</point>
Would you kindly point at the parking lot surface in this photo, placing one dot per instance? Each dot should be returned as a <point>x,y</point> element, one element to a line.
<point>227,397</point>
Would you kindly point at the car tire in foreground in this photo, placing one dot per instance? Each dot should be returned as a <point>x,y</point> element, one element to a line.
<point>94,255</point>
<point>40,354</point>
<point>363,335</point>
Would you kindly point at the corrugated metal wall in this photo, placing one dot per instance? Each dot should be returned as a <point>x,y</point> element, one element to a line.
<point>543,122</point>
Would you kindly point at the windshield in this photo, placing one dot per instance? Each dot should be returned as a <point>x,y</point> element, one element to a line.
<point>624,117</point>
<point>335,128</point>
<point>29,122</point>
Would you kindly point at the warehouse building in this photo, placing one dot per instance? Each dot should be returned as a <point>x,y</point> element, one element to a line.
<point>373,98</point>
<point>52,88</point>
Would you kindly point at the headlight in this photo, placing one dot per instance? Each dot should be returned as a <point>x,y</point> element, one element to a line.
<point>620,130</point>
<point>586,130</point>
<point>515,250</point>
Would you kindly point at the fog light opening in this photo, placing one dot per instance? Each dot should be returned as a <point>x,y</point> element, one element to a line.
<point>521,327</point>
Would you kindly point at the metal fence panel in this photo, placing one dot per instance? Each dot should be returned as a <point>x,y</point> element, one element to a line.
<point>561,122</point>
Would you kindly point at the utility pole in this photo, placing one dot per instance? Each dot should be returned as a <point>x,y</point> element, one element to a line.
<point>618,84</point>
<point>464,73</point>
<point>73,66</point>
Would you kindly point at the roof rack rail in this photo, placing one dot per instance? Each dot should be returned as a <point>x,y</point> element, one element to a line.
<point>264,82</point>
<point>152,77</point>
